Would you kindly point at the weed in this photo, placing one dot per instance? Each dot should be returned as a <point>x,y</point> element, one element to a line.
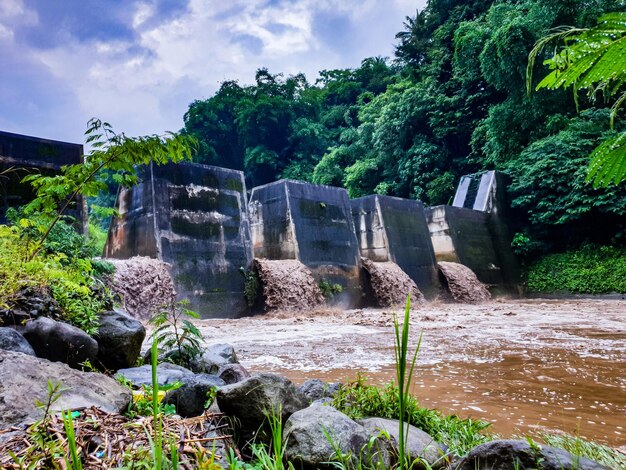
<point>251,286</point>
<point>176,335</point>
<point>578,447</point>
<point>329,290</point>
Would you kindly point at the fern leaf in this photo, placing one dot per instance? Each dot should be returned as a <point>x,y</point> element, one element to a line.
<point>608,162</point>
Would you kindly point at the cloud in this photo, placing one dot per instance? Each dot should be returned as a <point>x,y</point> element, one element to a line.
<point>138,63</point>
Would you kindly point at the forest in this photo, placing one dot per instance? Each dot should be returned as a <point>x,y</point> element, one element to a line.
<point>452,101</point>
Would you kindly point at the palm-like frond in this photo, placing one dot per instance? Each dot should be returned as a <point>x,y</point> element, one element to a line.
<point>591,59</point>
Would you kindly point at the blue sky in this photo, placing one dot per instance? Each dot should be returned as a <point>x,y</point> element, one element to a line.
<point>139,63</point>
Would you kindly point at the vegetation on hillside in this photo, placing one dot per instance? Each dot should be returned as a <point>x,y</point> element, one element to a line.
<point>452,101</point>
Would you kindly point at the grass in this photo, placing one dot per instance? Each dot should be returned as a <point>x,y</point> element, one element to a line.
<point>578,447</point>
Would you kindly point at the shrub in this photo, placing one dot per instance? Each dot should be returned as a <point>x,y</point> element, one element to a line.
<point>589,270</point>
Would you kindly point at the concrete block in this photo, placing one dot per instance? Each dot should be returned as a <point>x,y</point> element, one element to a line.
<point>310,223</point>
<point>194,218</point>
<point>394,229</point>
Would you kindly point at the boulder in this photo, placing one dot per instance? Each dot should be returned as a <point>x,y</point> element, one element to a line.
<point>512,455</point>
<point>251,399</point>
<point>213,357</point>
<point>308,434</point>
<point>316,389</point>
<point>11,340</point>
<point>421,448</point>
<point>119,338</point>
<point>58,341</point>
<point>232,373</point>
<point>166,374</point>
<point>24,380</point>
<point>30,303</point>
<point>190,399</point>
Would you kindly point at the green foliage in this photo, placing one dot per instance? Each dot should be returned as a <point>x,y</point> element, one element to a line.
<point>72,281</point>
<point>329,289</point>
<point>274,457</point>
<point>174,333</point>
<point>592,59</point>
<point>251,286</point>
<point>358,400</point>
<point>589,270</point>
<point>578,447</point>
<point>404,373</point>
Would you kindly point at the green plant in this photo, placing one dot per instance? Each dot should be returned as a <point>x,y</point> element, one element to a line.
<point>401,348</point>
<point>273,459</point>
<point>251,286</point>
<point>367,459</point>
<point>68,425</point>
<point>588,270</point>
<point>329,290</point>
<point>157,444</point>
<point>591,59</point>
<point>578,447</point>
<point>177,337</point>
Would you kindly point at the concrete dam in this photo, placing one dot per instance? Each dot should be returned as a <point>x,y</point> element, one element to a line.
<point>201,220</point>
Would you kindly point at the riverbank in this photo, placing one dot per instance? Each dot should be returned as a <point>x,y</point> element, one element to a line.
<point>527,365</point>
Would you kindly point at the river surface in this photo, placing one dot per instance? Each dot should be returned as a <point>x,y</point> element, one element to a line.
<point>526,366</point>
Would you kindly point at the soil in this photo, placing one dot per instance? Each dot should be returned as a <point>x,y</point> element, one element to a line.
<point>463,284</point>
<point>390,284</point>
<point>287,285</point>
<point>525,365</point>
<point>144,285</point>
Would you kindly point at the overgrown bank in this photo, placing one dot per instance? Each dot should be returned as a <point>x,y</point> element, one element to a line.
<point>589,270</point>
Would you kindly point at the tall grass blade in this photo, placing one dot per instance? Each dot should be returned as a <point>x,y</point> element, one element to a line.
<point>157,448</point>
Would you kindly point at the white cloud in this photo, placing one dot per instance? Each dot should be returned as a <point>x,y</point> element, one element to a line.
<point>146,85</point>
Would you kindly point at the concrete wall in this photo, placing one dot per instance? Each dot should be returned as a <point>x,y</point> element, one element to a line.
<point>475,230</point>
<point>394,229</point>
<point>27,155</point>
<point>310,223</point>
<point>193,217</point>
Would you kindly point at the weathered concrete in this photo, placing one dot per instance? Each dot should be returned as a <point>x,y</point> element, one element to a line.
<point>310,223</point>
<point>394,229</point>
<point>26,155</point>
<point>474,231</point>
<point>194,218</point>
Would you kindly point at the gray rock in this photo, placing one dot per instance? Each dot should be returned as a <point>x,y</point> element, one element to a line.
<point>316,389</point>
<point>190,399</point>
<point>24,379</point>
<point>232,373</point>
<point>308,434</point>
<point>119,338</point>
<point>250,399</point>
<point>514,455</point>
<point>11,340</point>
<point>213,357</point>
<point>58,341</point>
<point>421,448</point>
<point>166,374</point>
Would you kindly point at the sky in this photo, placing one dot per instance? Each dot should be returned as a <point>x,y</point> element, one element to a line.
<point>138,64</point>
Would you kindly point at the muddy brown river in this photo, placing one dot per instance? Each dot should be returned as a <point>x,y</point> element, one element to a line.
<point>524,365</point>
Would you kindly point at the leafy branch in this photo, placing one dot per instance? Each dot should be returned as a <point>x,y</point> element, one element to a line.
<point>113,155</point>
<point>592,59</point>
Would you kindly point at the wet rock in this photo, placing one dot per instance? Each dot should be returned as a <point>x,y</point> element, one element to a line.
<point>514,455</point>
<point>119,338</point>
<point>250,399</point>
<point>190,399</point>
<point>166,374</point>
<point>390,284</point>
<point>144,285</point>
<point>232,373</point>
<point>309,431</point>
<point>58,341</point>
<point>24,379</point>
<point>11,340</point>
<point>287,285</point>
<point>462,283</point>
<point>213,357</point>
<point>420,446</point>
<point>316,389</point>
